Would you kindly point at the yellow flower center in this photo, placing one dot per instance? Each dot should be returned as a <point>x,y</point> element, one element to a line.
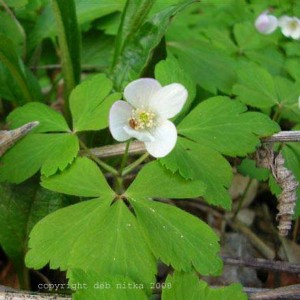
<point>141,119</point>
<point>293,25</point>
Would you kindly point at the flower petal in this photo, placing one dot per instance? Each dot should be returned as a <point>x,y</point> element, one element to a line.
<point>119,115</point>
<point>266,24</point>
<point>165,137</point>
<point>138,92</point>
<point>168,101</point>
<point>141,135</point>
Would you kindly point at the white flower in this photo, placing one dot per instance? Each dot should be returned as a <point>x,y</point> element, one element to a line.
<point>290,27</point>
<point>145,115</point>
<point>266,23</point>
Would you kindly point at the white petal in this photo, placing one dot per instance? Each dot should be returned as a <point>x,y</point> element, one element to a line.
<point>266,24</point>
<point>141,135</point>
<point>283,21</point>
<point>138,92</point>
<point>119,115</point>
<point>169,100</point>
<point>165,137</point>
<point>288,27</point>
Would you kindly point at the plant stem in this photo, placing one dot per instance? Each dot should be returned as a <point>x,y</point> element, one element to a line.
<point>125,157</point>
<point>66,59</point>
<point>101,163</point>
<point>132,166</point>
<point>242,199</point>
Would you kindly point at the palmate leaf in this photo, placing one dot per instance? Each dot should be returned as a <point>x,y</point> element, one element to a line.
<point>93,235</point>
<point>82,179</point>
<point>107,287</point>
<point>177,238</point>
<point>115,245</point>
<point>196,162</point>
<point>181,285</point>
<point>49,119</point>
<point>211,68</point>
<point>161,183</point>
<point>55,246</point>
<point>50,152</point>
<point>90,103</point>
<point>258,88</point>
<point>21,207</point>
<point>224,125</point>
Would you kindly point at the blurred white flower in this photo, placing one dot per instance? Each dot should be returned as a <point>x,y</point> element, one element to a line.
<point>290,27</point>
<point>145,115</point>
<point>265,23</point>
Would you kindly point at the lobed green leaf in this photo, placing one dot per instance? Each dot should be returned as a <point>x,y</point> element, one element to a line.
<point>178,238</point>
<point>188,286</point>
<point>155,181</point>
<point>83,178</point>
<point>224,125</point>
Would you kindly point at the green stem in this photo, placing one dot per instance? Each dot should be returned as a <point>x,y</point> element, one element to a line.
<point>101,163</point>
<point>125,157</point>
<point>66,61</point>
<point>242,199</point>
<point>132,166</point>
<point>24,279</point>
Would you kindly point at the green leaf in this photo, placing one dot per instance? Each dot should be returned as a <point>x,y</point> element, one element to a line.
<point>169,71</point>
<point>117,247</point>
<point>224,125</point>
<point>181,285</point>
<point>248,168</point>
<point>69,42</point>
<point>65,148</point>
<point>197,162</point>
<point>11,60</point>
<point>211,68</point>
<point>93,235</point>
<point>86,13</point>
<point>90,103</point>
<point>51,152</point>
<point>155,181</point>
<point>133,17</point>
<point>139,50</point>
<point>178,238</point>
<point>258,88</point>
<point>21,207</point>
<point>50,120</point>
<point>55,246</point>
<point>11,28</point>
<point>107,287</point>
<point>255,87</point>
<point>83,178</point>
<point>16,3</point>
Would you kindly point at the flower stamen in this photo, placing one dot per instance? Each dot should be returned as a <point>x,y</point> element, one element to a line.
<point>141,119</point>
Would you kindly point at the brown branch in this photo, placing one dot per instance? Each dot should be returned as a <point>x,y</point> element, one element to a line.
<point>138,147</point>
<point>283,136</point>
<point>265,264</point>
<point>287,292</point>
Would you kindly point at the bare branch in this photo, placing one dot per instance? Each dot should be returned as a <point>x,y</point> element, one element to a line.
<point>138,147</point>
<point>283,136</point>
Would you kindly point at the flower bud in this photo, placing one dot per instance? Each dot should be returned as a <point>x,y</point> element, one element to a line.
<point>265,23</point>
